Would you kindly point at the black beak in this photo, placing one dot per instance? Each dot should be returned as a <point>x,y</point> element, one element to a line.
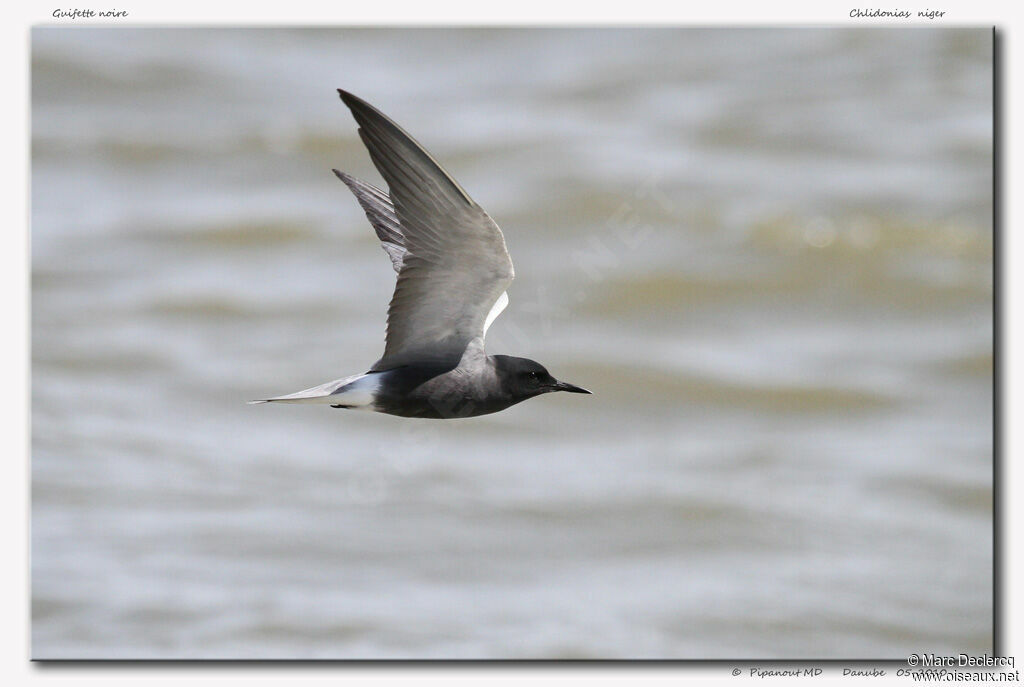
<point>564,386</point>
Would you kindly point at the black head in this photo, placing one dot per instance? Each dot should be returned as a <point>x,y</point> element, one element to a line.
<point>522,378</point>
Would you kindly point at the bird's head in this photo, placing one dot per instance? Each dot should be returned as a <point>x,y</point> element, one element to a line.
<point>523,378</point>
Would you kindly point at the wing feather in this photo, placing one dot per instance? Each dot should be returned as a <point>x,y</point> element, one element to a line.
<point>456,264</point>
<point>381,213</point>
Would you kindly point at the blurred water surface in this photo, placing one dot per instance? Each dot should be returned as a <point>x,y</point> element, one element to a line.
<point>767,252</point>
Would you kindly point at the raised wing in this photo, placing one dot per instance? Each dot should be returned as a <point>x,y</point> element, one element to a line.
<point>455,265</point>
<point>381,213</point>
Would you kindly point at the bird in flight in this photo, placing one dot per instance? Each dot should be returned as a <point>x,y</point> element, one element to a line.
<point>453,271</point>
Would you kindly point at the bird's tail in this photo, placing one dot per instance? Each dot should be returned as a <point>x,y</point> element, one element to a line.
<point>355,391</point>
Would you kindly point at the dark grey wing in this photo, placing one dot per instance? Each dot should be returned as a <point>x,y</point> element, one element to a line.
<point>381,213</point>
<point>456,266</point>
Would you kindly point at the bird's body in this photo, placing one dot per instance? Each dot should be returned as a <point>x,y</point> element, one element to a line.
<point>453,269</point>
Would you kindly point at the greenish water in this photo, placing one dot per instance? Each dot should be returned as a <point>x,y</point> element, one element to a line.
<point>767,252</point>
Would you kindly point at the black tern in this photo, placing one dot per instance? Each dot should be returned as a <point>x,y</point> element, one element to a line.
<point>453,271</point>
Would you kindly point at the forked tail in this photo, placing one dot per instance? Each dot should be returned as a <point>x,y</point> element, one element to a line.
<point>356,391</point>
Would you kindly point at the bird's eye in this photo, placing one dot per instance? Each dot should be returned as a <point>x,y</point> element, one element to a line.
<point>535,376</point>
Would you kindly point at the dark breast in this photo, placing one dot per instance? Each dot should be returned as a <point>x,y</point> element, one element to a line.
<point>440,393</point>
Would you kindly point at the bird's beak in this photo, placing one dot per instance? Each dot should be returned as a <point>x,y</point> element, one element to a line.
<point>565,386</point>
